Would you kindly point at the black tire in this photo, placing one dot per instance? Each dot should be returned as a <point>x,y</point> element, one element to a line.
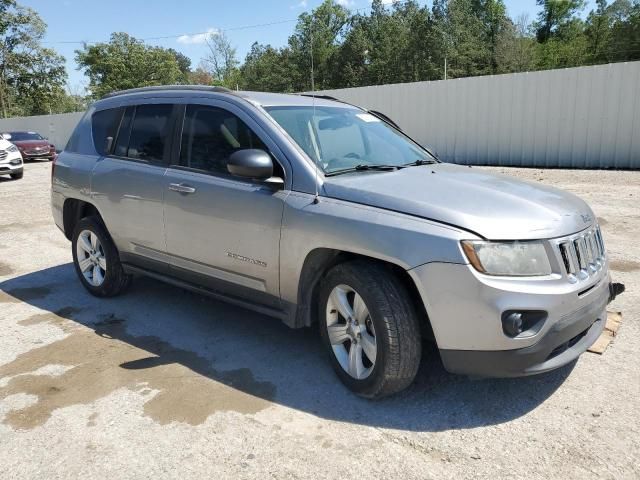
<point>394,317</point>
<point>115,281</point>
<point>17,176</point>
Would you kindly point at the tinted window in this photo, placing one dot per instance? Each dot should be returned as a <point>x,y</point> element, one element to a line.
<point>210,135</point>
<point>120,149</point>
<point>149,132</point>
<point>104,124</point>
<point>74,140</point>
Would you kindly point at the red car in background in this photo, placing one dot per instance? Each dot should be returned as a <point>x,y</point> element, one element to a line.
<point>32,145</point>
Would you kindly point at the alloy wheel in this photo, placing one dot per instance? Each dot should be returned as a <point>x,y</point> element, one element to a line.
<point>91,258</point>
<point>351,332</point>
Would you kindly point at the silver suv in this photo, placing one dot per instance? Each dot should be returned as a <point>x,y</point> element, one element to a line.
<point>316,211</point>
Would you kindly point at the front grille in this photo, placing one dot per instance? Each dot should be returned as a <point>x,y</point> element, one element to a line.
<point>583,254</point>
<point>3,154</point>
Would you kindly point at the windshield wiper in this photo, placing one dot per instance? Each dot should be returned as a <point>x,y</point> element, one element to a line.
<point>419,162</point>
<point>364,167</point>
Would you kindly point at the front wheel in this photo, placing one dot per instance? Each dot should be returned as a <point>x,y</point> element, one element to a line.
<point>370,328</point>
<point>96,259</point>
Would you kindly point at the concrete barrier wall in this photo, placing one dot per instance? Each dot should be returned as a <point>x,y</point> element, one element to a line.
<point>57,128</point>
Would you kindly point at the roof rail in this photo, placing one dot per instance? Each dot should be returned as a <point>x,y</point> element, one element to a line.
<point>162,88</point>
<point>323,97</point>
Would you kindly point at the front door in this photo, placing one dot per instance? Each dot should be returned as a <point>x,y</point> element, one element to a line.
<point>222,230</point>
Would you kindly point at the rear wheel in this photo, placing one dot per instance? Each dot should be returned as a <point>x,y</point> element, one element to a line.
<point>96,259</point>
<point>370,328</point>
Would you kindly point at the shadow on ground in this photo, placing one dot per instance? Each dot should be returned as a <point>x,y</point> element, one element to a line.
<point>228,351</point>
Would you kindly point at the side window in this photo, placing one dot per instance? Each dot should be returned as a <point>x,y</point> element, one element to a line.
<point>122,142</point>
<point>210,135</point>
<point>104,125</point>
<point>146,139</point>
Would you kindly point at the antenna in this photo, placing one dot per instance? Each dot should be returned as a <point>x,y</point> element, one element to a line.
<point>316,199</point>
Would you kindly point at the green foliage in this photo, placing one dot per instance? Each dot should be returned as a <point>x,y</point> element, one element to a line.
<point>32,78</point>
<point>405,42</point>
<point>402,41</point>
<point>221,62</point>
<point>125,62</point>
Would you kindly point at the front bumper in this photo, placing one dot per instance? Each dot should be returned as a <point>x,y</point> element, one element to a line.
<point>563,343</point>
<point>465,310</point>
<point>12,163</point>
<point>38,156</point>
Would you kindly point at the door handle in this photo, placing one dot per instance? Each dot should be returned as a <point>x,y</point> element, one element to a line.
<point>181,187</point>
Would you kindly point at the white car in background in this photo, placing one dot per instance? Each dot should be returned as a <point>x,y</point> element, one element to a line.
<point>10,159</point>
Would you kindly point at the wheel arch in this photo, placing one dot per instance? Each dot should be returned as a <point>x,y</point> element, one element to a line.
<point>73,210</point>
<point>317,264</point>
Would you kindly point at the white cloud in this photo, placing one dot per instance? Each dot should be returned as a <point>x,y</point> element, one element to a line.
<point>300,4</point>
<point>345,3</point>
<point>197,38</point>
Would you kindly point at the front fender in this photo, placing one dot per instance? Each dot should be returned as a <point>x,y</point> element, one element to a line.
<point>396,238</point>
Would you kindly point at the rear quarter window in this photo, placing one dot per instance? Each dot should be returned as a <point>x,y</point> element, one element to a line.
<point>104,125</point>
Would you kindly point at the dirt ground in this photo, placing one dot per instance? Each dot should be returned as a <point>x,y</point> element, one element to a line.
<point>162,383</point>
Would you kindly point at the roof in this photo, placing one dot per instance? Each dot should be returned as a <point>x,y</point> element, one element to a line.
<point>261,98</point>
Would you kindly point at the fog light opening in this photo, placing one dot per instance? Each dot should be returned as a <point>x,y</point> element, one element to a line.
<point>520,324</point>
<point>512,324</point>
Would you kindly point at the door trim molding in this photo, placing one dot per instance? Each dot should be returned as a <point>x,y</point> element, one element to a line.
<point>201,268</point>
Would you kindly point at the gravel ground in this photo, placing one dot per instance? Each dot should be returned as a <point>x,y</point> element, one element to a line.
<point>164,383</point>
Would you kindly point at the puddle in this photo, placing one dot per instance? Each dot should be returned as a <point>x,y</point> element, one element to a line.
<point>624,265</point>
<point>181,386</point>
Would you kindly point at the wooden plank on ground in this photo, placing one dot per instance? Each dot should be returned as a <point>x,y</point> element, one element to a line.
<point>614,319</point>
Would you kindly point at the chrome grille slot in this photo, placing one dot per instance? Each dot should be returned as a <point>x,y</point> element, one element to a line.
<point>3,154</point>
<point>583,254</point>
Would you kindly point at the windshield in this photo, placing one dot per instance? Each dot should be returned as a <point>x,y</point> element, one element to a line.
<point>339,138</point>
<point>23,136</point>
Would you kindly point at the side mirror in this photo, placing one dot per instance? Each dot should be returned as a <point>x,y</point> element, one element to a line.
<point>6,136</point>
<point>251,163</point>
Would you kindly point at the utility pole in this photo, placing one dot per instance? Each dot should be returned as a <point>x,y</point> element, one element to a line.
<point>445,68</point>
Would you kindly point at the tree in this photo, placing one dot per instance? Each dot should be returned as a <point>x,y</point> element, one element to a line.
<point>468,50</point>
<point>125,62</point>
<point>200,76</point>
<point>516,47</point>
<point>317,35</point>
<point>184,64</point>
<point>267,69</point>
<point>624,44</point>
<point>31,77</point>
<point>554,15</point>
<point>221,62</point>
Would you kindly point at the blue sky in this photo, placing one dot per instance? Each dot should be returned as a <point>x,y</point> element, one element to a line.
<point>94,20</point>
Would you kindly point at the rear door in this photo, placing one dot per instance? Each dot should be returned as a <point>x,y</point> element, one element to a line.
<point>223,231</point>
<point>128,184</point>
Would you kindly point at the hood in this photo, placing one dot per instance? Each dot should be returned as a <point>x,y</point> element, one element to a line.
<point>4,144</point>
<point>31,143</point>
<point>496,207</point>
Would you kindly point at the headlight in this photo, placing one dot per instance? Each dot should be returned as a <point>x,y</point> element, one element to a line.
<point>12,148</point>
<point>508,258</point>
